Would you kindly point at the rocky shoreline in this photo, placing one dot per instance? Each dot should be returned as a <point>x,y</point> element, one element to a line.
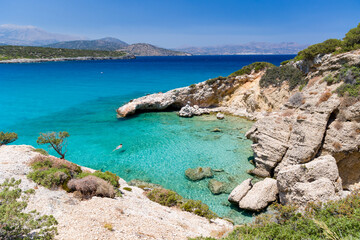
<point>38,60</point>
<point>132,216</point>
<point>306,141</point>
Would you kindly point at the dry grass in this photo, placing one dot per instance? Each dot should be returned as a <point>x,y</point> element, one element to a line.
<point>337,145</point>
<point>338,125</point>
<point>109,226</point>
<point>218,234</point>
<point>288,113</point>
<point>324,97</point>
<point>91,186</point>
<point>313,93</point>
<point>301,117</point>
<point>313,81</point>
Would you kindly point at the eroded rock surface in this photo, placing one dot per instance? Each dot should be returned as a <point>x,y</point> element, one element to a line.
<point>240,191</point>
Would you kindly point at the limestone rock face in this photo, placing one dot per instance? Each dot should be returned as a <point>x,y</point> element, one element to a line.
<point>260,195</point>
<point>317,180</point>
<point>189,111</point>
<point>195,174</point>
<point>240,191</point>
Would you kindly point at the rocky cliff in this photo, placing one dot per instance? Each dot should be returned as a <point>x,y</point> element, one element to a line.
<point>307,137</point>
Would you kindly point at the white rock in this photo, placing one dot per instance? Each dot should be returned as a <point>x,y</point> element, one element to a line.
<point>240,191</point>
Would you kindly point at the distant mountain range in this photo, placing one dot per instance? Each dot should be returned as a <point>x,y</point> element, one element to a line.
<point>30,36</point>
<point>108,44</point>
<point>145,49</point>
<point>247,48</point>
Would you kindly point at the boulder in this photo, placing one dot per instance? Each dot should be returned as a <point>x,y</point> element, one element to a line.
<point>260,195</point>
<point>189,111</point>
<point>240,191</point>
<point>195,174</point>
<point>216,130</point>
<point>217,187</point>
<point>317,180</point>
<point>220,116</point>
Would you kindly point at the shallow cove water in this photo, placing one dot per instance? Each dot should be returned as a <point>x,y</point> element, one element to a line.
<point>81,98</point>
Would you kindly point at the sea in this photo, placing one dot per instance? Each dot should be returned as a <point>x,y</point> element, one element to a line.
<point>81,97</point>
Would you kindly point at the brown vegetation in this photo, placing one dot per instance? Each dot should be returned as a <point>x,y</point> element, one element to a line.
<point>56,162</point>
<point>324,97</point>
<point>92,186</point>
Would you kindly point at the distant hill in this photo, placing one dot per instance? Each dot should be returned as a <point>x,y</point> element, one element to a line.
<point>247,48</point>
<point>30,36</point>
<point>145,49</point>
<point>107,44</point>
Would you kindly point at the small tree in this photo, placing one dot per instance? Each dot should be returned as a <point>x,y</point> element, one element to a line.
<point>56,140</point>
<point>15,222</point>
<point>8,137</point>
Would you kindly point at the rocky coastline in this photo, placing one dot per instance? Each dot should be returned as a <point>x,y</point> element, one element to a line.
<point>306,140</point>
<point>132,216</point>
<point>39,60</point>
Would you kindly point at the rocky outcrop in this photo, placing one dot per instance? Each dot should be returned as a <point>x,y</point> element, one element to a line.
<point>240,96</point>
<point>260,195</point>
<point>317,180</point>
<point>195,174</point>
<point>216,187</point>
<point>240,191</point>
<point>132,216</point>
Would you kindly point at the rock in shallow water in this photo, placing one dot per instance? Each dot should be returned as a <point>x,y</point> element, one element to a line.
<point>240,191</point>
<point>220,116</point>
<point>260,195</point>
<point>195,174</point>
<point>217,187</point>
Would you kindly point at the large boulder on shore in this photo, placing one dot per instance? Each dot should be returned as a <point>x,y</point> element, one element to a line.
<point>240,191</point>
<point>317,180</point>
<point>195,174</point>
<point>260,195</point>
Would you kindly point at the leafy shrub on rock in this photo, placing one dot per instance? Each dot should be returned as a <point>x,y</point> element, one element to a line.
<point>164,197</point>
<point>52,172</point>
<point>15,222</point>
<point>90,186</point>
<point>332,220</point>
<point>352,39</point>
<point>7,137</point>
<point>198,208</point>
<point>350,75</point>
<point>213,80</point>
<point>110,177</point>
<point>277,75</point>
<point>256,67</point>
<point>328,46</point>
<point>56,140</point>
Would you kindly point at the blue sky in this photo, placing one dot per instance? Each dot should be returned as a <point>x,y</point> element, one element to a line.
<point>175,23</point>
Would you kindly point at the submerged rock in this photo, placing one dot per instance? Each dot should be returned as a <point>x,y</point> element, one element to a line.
<point>220,116</point>
<point>216,130</point>
<point>260,195</point>
<point>240,191</point>
<point>195,174</point>
<point>217,187</point>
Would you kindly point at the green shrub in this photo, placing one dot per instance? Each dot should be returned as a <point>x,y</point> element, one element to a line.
<point>164,197</point>
<point>8,137</point>
<point>50,177</point>
<point>350,75</point>
<point>256,67</point>
<point>129,189</point>
<point>285,62</point>
<point>15,222</point>
<point>352,39</point>
<point>56,140</point>
<point>41,151</point>
<point>332,220</point>
<point>198,208</point>
<point>192,86</point>
<point>213,80</point>
<point>328,46</point>
<point>110,177</point>
<point>277,75</point>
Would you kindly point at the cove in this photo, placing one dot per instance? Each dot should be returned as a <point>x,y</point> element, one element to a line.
<point>81,98</point>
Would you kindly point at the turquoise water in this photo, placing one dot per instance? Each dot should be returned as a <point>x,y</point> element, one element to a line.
<point>81,98</point>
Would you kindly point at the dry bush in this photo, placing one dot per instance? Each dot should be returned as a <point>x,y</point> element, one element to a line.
<point>347,101</point>
<point>324,97</point>
<point>297,99</point>
<point>338,125</point>
<point>288,113</point>
<point>313,81</point>
<point>219,233</point>
<point>92,186</point>
<point>56,162</point>
<point>337,145</point>
<point>313,93</point>
<point>301,117</point>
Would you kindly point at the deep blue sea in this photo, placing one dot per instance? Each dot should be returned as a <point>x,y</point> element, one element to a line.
<point>81,98</point>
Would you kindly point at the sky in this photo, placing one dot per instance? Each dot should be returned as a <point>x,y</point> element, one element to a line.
<point>180,23</point>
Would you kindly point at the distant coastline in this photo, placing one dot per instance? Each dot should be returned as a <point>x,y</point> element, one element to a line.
<point>38,60</point>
